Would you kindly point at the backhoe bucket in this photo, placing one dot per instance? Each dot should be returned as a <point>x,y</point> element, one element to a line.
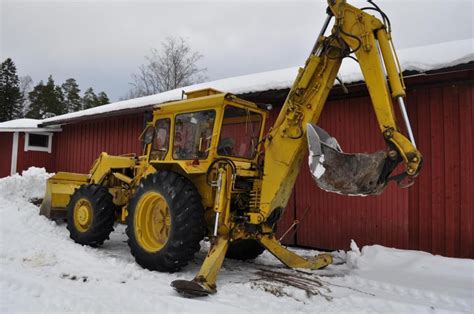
<point>338,172</point>
<point>59,189</point>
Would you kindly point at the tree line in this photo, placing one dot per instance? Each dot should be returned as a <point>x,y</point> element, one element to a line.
<point>19,99</point>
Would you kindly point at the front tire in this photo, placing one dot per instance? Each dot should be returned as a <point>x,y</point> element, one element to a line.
<point>165,222</point>
<point>90,215</point>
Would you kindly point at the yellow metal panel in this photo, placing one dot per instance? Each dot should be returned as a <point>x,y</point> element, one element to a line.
<point>105,163</point>
<point>202,92</point>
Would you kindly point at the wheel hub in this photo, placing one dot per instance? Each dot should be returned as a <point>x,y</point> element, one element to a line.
<point>82,215</point>
<point>152,221</point>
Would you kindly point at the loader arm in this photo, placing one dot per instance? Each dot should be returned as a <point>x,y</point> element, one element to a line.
<point>357,32</point>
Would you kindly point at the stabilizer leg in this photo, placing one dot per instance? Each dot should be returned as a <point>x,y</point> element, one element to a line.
<point>291,259</point>
<point>205,281</point>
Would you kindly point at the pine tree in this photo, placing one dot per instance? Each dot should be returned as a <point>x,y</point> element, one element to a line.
<point>10,95</point>
<point>46,100</point>
<point>90,99</point>
<point>37,107</point>
<point>72,98</point>
<point>102,99</point>
<point>57,105</point>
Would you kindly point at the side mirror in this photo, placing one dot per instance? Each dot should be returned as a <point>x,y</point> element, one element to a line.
<point>147,135</point>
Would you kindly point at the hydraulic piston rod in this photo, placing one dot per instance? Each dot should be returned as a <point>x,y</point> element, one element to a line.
<point>403,109</point>
<point>321,33</point>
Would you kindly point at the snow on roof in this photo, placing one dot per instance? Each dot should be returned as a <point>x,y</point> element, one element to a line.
<point>420,59</point>
<point>20,124</point>
<point>23,125</point>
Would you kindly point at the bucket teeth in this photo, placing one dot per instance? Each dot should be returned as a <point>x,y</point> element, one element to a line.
<point>338,172</point>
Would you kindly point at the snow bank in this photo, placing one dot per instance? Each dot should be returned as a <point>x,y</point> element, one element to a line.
<point>421,271</point>
<point>42,270</point>
<point>30,184</point>
<point>431,57</point>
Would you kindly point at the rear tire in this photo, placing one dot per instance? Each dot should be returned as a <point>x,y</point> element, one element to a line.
<point>247,249</point>
<point>165,222</point>
<point>90,215</point>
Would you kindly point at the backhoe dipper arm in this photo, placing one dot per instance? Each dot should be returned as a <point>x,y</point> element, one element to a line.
<point>357,32</point>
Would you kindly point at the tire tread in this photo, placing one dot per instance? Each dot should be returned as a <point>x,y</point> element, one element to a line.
<point>187,215</point>
<point>103,211</point>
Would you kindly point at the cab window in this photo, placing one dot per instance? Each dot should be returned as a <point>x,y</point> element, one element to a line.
<point>160,145</point>
<point>193,134</point>
<point>240,133</point>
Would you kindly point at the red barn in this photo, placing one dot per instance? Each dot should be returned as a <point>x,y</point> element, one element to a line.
<point>435,215</point>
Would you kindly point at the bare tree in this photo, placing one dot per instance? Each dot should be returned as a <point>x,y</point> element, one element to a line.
<point>175,65</point>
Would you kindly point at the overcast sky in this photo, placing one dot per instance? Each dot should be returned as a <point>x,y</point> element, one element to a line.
<point>100,43</point>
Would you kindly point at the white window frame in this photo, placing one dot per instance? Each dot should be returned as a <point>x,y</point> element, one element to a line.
<point>38,148</point>
<point>14,153</point>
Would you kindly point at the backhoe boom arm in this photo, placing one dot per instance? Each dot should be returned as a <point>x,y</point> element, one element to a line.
<point>357,32</point>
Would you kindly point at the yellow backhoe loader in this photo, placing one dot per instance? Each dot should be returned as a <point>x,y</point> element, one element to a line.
<point>208,171</point>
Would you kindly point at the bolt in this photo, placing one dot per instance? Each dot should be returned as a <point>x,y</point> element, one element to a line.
<point>392,154</point>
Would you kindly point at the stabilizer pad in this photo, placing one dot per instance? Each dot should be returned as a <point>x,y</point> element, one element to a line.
<point>191,289</point>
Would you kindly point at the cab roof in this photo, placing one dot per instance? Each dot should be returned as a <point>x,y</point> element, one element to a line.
<point>203,99</point>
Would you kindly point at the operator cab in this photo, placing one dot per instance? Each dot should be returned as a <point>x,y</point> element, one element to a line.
<point>207,125</point>
<point>240,133</point>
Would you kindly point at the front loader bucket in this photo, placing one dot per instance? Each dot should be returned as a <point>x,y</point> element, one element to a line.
<point>59,189</point>
<point>338,172</point>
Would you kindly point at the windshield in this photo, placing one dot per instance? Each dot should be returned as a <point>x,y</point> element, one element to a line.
<point>193,134</point>
<point>160,143</point>
<point>240,133</point>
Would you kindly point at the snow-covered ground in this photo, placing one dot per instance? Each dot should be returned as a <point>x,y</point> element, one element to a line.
<point>42,270</point>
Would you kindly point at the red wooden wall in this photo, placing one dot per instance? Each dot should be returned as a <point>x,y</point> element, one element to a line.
<point>34,158</point>
<point>329,220</point>
<point>78,145</point>
<point>6,141</point>
<point>434,215</point>
<point>368,219</point>
<point>441,215</point>
<point>25,160</point>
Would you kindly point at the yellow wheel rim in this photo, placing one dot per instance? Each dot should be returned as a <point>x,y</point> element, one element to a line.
<point>152,221</point>
<point>82,215</point>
